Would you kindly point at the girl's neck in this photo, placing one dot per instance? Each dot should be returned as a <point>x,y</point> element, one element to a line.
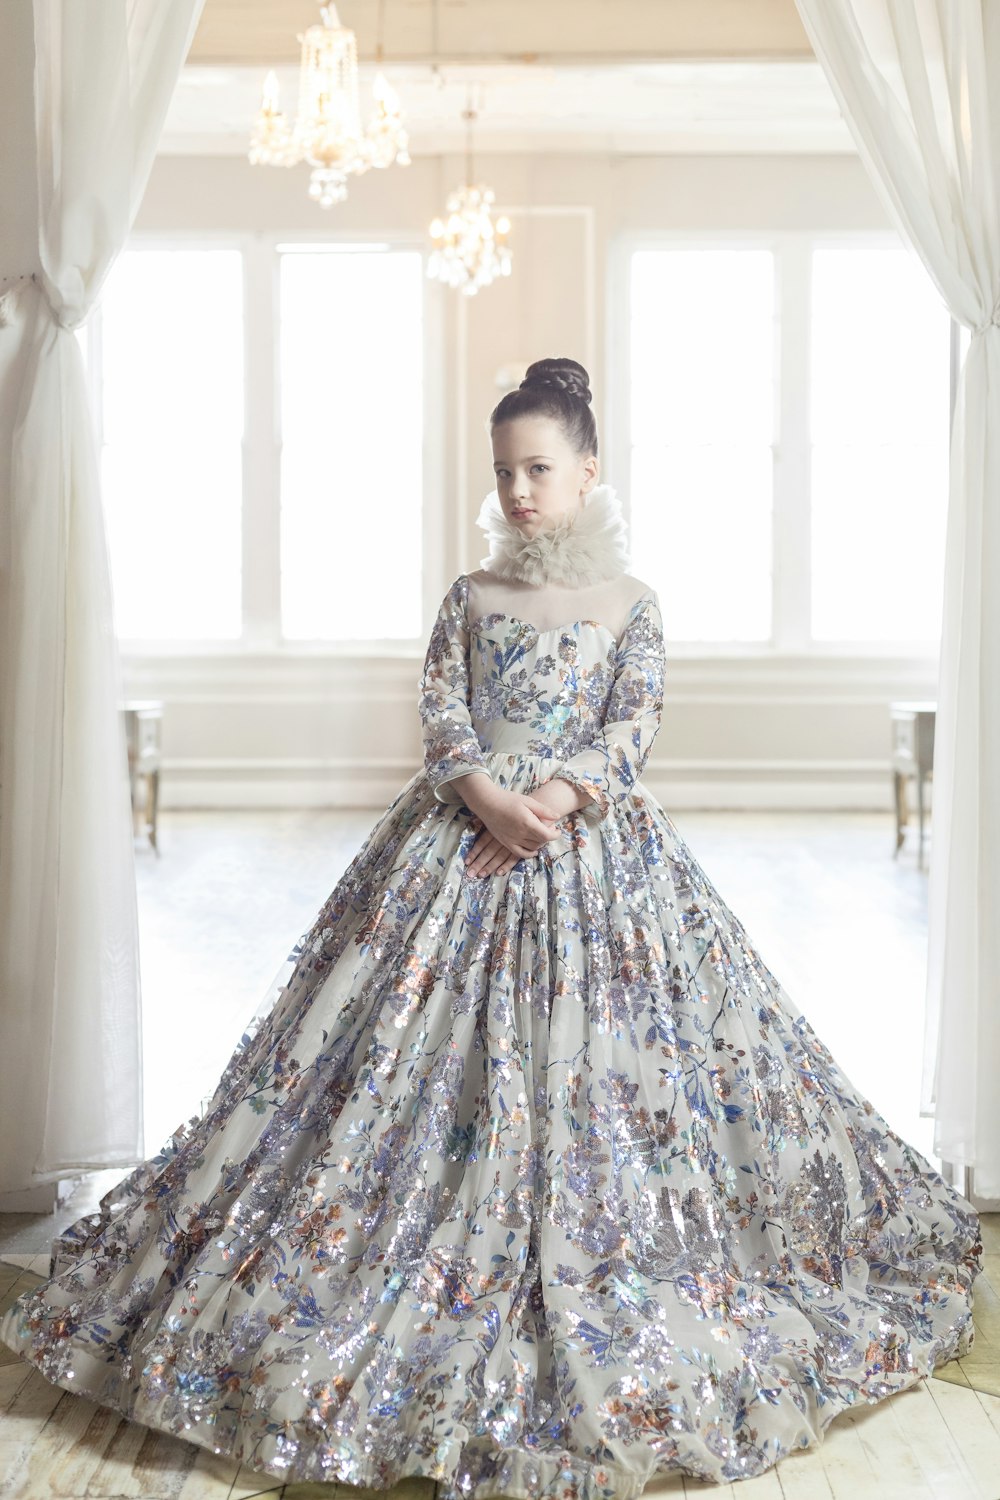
<point>588,545</point>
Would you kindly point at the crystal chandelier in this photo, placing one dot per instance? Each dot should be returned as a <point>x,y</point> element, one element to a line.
<point>327,131</point>
<point>469,252</point>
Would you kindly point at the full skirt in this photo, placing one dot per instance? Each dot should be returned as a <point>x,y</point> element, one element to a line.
<point>534,1184</point>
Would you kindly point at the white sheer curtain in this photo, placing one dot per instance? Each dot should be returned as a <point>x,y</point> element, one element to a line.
<point>70,1054</point>
<point>918,82</point>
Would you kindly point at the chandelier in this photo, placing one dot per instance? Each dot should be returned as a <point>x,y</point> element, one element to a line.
<point>468,250</point>
<point>327,131</point>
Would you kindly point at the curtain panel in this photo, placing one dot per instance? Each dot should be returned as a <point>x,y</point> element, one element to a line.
<point>918,83</point>
<point>70,1028</point>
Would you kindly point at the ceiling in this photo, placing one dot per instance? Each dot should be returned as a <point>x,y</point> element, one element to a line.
<point>627,108</point>
<point>263,32</point>
<point>615,76</point>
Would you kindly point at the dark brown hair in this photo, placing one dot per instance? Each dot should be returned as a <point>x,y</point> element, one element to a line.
<point>557,388</point>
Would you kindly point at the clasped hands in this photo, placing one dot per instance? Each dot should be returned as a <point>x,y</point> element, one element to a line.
<point>514,825</point>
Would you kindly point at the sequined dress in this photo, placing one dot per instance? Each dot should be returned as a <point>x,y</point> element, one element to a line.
<point>535,1184</point>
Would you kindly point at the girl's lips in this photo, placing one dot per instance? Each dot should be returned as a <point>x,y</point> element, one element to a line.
<point>519,513</point>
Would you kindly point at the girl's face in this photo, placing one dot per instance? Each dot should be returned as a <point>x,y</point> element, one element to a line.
<point>539,478</point>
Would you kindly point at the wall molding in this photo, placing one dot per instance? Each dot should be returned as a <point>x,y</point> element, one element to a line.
<point>373,783</point>
<point>392,673</point>
<point>328,710</point>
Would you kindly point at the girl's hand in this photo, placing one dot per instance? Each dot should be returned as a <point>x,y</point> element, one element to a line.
<point>489,857</point>
<point>524,824</point>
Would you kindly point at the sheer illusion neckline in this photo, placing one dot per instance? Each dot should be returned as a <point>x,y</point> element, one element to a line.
<point>504,614</point>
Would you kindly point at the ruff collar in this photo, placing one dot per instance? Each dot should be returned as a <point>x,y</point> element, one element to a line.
<point>591,544</point>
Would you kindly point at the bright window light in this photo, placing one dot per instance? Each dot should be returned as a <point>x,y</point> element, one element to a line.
<point>171,461</point>
<point>879,428</point>
<point>702,415</point>
<point>352,421</point>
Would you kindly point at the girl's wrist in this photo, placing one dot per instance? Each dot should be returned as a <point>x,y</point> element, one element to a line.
<point>562,796</point>
<point>481,792</point>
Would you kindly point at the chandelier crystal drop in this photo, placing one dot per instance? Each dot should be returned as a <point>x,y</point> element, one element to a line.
<point>469,250</point>
<point>327,132</point>
<point>388,141</point>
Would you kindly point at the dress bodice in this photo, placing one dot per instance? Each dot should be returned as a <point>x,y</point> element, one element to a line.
<point>539,692</point>
<point>585,692</point>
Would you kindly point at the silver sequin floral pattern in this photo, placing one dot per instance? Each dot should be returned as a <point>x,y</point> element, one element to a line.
<point>535,1184</point>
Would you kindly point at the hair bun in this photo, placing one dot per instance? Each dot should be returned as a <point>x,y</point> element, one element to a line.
<point>564,374</point>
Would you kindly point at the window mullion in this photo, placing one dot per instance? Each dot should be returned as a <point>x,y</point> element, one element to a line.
<point>792,528</point>
<point>261,552</point>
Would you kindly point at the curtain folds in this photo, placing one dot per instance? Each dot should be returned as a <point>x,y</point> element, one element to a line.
<point>70,1033</point>
<point>918,83</point>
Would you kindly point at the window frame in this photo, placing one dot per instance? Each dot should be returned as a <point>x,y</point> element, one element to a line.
<point>790,650</point>
<point>791,529</point>
<point>260,591</point>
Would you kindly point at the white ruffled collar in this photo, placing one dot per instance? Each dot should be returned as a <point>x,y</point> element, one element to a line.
<point>591,544</point>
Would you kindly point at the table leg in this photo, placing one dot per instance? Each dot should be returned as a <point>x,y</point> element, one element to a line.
<point>899,801</point>
<point>920,819</point>
<point>154,803</point>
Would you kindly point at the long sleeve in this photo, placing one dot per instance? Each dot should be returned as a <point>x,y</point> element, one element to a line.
<point>609,767</point>
<point>451,745</point>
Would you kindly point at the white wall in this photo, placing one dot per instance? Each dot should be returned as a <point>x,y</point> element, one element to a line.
<point>313,730</point>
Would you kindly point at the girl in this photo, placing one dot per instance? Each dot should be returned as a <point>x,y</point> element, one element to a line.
<point>529,1177</point>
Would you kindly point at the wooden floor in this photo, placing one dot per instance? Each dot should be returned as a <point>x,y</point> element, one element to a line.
<point>221,907</point>
<point>940,1440</point>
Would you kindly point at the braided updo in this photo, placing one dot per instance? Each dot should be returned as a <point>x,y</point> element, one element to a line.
<point>557,388</point>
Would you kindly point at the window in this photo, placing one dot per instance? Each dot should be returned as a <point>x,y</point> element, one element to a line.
<point>879,419</point>
<point>259,411</point>
<point>786,425</point>
<point>171,431</point>
<point>788,436</point>
<point>352,421</point>
<point>702,382</point>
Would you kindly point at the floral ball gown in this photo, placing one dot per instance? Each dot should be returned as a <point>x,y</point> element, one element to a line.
<point>536,1184</point>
